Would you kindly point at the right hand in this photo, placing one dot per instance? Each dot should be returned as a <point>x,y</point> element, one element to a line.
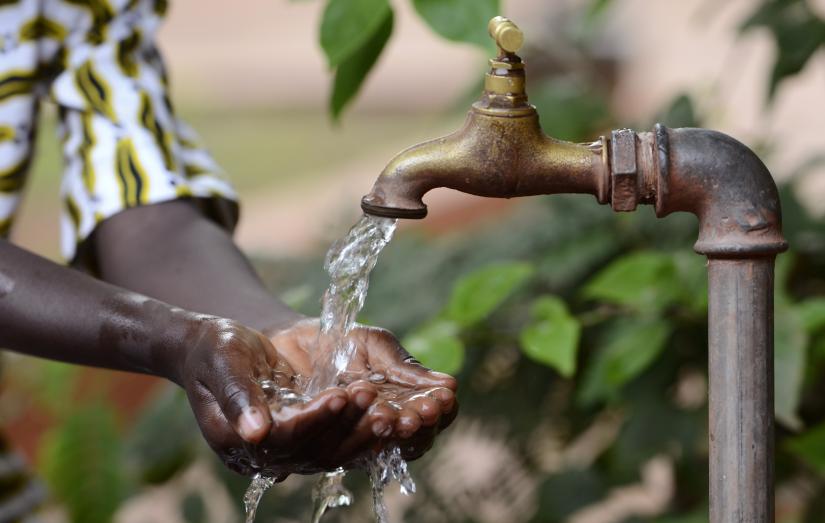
<point>220,371</point>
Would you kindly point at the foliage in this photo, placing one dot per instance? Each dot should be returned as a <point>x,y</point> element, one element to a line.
<point>354,33</point>
<point>82,464</point>
<point>798,31</point>
<point>553,337</point>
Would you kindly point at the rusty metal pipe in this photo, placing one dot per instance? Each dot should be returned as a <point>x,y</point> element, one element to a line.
<point>740,335</point>
<point>733,195</point>
<point>502,152</point>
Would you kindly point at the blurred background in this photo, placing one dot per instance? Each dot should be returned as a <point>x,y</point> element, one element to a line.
<point>603,424</point>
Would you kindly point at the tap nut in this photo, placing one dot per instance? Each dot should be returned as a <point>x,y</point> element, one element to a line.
<point>624,185</point>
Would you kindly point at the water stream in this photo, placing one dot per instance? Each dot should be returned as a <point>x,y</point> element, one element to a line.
<point>349,262</point>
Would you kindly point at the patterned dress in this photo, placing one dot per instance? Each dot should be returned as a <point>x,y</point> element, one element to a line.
<point>122,143</point>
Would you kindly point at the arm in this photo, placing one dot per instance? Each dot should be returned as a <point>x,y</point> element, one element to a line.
<point>59,313</point>
<point>171,252</point>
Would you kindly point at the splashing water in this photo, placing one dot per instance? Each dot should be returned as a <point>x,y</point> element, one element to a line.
<point>382,468</point>
<point>254,493</point>
<point>349,262</point>
<point>330,492</point>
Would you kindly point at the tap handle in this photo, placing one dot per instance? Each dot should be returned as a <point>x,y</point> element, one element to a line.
<point>507,35</point>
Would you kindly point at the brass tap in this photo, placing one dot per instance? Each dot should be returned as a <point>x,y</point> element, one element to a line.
<point>500,152</point>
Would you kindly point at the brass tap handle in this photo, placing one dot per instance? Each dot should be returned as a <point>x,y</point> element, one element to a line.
<point>507,35</point>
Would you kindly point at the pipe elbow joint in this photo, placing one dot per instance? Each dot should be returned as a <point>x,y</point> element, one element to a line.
<point>726,185</point>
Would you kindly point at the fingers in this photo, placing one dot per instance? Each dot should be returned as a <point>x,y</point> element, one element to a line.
<point>409,421</point>
<point>295,424</point>
<point>385,350</point>
<point>376,425</point>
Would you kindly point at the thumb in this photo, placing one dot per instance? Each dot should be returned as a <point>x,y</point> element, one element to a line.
<point>244,405</point>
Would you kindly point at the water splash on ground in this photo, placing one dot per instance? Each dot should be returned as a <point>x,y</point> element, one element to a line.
<point>349,262</point>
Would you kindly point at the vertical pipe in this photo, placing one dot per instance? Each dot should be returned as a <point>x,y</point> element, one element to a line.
<point>740,333</point>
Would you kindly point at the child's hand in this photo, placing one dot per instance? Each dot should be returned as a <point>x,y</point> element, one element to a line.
<point>411,403</point>
<point>221,370</point>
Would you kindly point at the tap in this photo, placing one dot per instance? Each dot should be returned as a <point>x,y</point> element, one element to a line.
<point>502,152</point>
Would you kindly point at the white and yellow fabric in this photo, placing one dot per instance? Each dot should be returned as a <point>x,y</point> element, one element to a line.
<point>122,144</point>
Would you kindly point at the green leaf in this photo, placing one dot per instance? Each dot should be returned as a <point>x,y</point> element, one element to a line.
<point>552,338</point>
<point>348,25</point>
<point>790,353</point>
<point>477,294</point>
<point>436,345</point>
<point>352,72</point>
<point>152,456</point>
<point>798,32</point>
<point>810,447</point>
<point>812,313</point>
<point>80,460</point>
<point>645,280</point>
<point>459,20</point>
<point>632,346</point>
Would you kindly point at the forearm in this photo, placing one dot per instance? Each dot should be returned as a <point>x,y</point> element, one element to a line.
<point>55,312</point>
<point>171,252</point>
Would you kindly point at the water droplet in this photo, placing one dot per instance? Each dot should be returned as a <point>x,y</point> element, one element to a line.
<point>377,377</point>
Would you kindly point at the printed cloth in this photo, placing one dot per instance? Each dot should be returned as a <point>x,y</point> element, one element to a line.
<point>122,144</point>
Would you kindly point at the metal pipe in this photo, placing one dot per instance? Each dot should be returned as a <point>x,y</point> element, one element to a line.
<point>740,344</point>
<point>502,152</point>
<point>733,195</point>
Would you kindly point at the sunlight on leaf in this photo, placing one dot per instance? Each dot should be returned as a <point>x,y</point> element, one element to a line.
<point>348,25</point>
<point>477,294</point>
<point>643,280</point>
<point>352,72</point>
<point>632,346</point>
<point>552,338</point>
<point>436,345</point>
<point>459,20</point>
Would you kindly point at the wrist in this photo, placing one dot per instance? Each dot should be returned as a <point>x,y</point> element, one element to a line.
<point>150,336</point>
<point>282,321</point>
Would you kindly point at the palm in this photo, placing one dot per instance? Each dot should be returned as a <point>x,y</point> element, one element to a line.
<point>407,403</point>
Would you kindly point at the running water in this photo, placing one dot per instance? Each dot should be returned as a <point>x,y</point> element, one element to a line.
<point>349,262</point>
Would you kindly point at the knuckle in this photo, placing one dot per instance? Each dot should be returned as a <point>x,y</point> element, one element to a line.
<point>235,395</point>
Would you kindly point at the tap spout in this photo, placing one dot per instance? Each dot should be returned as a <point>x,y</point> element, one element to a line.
<point>496,154</point>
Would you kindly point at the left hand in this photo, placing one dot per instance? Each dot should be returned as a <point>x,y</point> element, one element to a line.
<point>411,404</point>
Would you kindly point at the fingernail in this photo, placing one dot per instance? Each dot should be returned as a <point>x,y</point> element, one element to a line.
<point>336,404</point>
<point>380,429</point>
<point>252,421</point>
<point>363,399</point>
